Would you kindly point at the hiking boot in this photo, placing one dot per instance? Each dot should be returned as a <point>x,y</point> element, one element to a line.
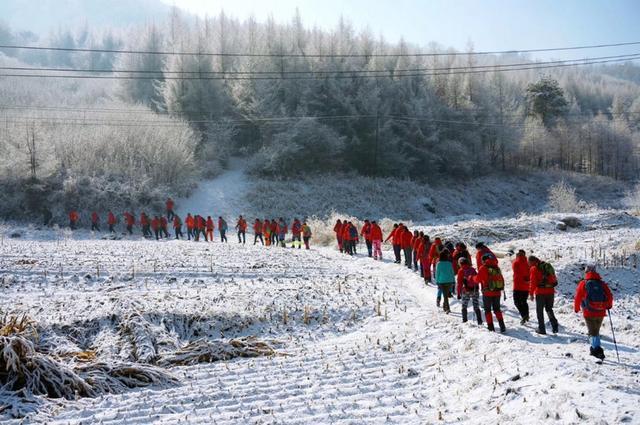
<point>523,321</point>
<point>541,331</point>
<point>479,321</point>
<point>490,327</point>
<point>503,328</point>
<point>599,353</point>
<point>555,329</point>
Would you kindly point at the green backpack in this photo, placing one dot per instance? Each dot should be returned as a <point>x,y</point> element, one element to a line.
<point>496,280</point>
<point>549,279</point>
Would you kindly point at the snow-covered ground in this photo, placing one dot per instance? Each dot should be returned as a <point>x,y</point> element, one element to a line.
<point>358,341</point>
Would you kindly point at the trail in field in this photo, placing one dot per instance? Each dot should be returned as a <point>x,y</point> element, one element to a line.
<point>222,196</point>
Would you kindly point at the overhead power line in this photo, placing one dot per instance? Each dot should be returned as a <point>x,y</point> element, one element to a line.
<point>162,73</point>
<point>229,76</point>
<point>317,55</point>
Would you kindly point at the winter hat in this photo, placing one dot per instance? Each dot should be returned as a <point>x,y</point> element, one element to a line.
<point>463,260</point>
<point>590,268</point>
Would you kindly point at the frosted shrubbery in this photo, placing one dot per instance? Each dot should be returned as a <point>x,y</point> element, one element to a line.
<point>562,198</point>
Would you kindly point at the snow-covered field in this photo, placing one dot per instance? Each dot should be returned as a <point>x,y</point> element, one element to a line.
<point>357,341</point>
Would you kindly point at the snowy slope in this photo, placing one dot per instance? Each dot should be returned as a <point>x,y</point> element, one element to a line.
<point>375,348</point>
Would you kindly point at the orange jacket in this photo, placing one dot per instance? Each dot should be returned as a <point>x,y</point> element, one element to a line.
<point>581,295</point>
<point>396,236</point>
<point>209,224</point>
<point>241,225</point>
<point>190,222</point>
<point>521,272</point>
<point>163,222</point>
<point>415,244</point>
<point>376,232</point>
<point>366,231</point>
<point>257,226</point>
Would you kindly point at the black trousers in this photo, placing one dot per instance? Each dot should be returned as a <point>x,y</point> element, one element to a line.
<point>369,247</point>
<point>545,303</point>
<point>130,229</point>
<point>521,303</point>
<point>223,236</point>
<point>178,232</point>
<point>256,237</point>
<point>396,251</point>
<point>94,226</point>
<point>111,229</point>
<point>407,257</point>
<point>242,238</point>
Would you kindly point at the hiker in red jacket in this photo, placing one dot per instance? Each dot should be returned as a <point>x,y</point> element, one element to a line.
<point>338,231</point>
<point>155,226</point>
<point>170,204</point>
<point>416,244</point>
<point>73,219</point>
<point>376,240</point>
<point>365,232</point>
<point>467,288</point>
<point>521,271</point>
<point>190,222</point>
<point>434,254</point>
<point>492,283</point>
<point>257,231</point>
<point>177,226</point>
<point>222,229</point>
<point>396,240</point>
<point>296,232</point>
<point>129,220</point>
<point>425,259</point>
<point>164,226</point>
<point>275,229</point>
<point>459,252</point>
<point>542,283</point>
<point>481,250</point>
<point>111,221</point>
<point>241,227</point>
<point>406,243</point>
<point>346,238</point>
<point>594,298</point>
<point>95,221</point>
<point>200,227</point>
<point>208,236</point>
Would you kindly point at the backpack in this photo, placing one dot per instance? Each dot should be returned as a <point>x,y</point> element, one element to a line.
<point>224,225</point>
<point>495,281</point>
<point>596,299</point>
<point>353,232</point>
<point>549,279</point>
<point>467,279</point>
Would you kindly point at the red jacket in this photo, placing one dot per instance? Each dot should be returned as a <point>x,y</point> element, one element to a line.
<point>535,278</point>
<point>434,252</point>
<point>407,239</point>
<point>483,278</point>
<point>581,295</point>
<point>177,222</point>
<point>274,227</point>
<point>366,232</point>
<point>376,232</point>
<point>396,236</point>
<point>521,273</point>
<point>111,218</point>
<point>200,222</point>
<point>346,235</point>
<point>169,204</point>
<point>190,222</point>
<point>296,228</point>
<point>73,216</point>
<point>257,226</point>
<point>338,229</point>
<point>144,220</point>
<point>155,224</point>
<point>266,227</point>
<point>416,243</point>
<point>94,217</point>
<point>480,253</point>
<point>242,225</point>
<point>209,224</point>
<point>129,219</point>
<point>163,222</point>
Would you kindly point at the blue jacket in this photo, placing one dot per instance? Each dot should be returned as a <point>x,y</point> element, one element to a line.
<point>444,273</point>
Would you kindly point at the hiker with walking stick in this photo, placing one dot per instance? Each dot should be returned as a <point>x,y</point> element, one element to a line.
<point>594,298</point>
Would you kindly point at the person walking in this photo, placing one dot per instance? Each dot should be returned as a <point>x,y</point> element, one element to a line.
<point>542,284</point>
<point>594,298</point>
<point>129,221</point>
<point>266,231</point>
<point>257,231</point>
<point>306,234</point>
<point>95,221</point>
<point>481,251</point>
<point>111,221</point>
<point>468,288</point>
<point>241,227</point>
<point>445,280</point>
<point>164,226</point>
<point>407,242</point>
<point>208,237</point>
<point>425,259</point>
<point>520,268</point>
<point>282,232</point>
<point>74,217</point>
<point>145,224</point>
<point>155,226</point>
<point>275,230</point>
<point>169,205</point>
<point>191,223</point>
<point>177,226</point>
<point>396,241</point>
<point>434,253</point>
<point>296,232</point>
<point>338,231</point>
<point>222,228</point>
<point>365,232</point>
<point>492,282</point>
<point>416,244</point>
<point>376,240</point>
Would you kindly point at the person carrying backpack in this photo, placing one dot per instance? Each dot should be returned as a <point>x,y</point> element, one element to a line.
<point>594,298</point>
<point>434,254</point>
<point>177,226</point>
<point>282,232</point>
<point>257,231</point>
<point>74,217</point>
<point>542,284</point>
<point>222,228</point>
<point>492,282</point>
<point>111,221</point>
<point>425,260</point>
<point>145,224</point>
<point>445,279</point>
<point>266,231</point>
<point>376,240</point>
<point>306,234</point>
<point>520,268</point>
<point>468,288</point>
<point>296,232</point>
<point>338,231</point>
<point>416,245</point>
<point>407,242</point>
<point>396,237</point>
<point>95,221</point>
<point>481,251</point>
<point>208,237</point>
<point>460,252</point>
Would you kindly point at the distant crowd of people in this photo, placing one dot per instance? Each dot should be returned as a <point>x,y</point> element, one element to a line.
<point>450,265</point>
<point>267,232</point>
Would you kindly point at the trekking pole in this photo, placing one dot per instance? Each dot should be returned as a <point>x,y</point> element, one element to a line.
<point>615,344</point>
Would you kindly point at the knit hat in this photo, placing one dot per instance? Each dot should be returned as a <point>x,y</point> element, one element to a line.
<point>590,268</point>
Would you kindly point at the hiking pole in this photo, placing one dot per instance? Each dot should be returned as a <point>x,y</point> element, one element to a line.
<point>615,344</point>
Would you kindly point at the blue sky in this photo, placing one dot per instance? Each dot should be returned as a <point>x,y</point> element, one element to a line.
<point>489,24</point>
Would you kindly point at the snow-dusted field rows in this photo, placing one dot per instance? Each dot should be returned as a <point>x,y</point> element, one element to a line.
<point>358,341</point>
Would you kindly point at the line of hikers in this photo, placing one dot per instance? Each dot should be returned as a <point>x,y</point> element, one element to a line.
<point>268,232</point>
<point>451,267</point>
